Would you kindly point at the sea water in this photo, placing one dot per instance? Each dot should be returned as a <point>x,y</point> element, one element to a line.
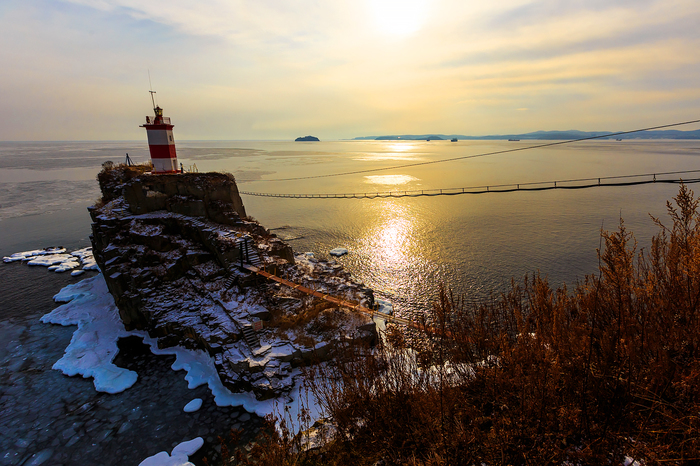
<point>404,248</point>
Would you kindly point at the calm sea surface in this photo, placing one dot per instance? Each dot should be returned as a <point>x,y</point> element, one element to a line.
<point>402,247</point>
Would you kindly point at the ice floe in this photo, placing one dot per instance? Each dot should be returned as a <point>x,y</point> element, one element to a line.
<point>338,252</point>
<point>21,256</point>
<point>179,456</point>
<point>57,259</point>
<point>193,405</point>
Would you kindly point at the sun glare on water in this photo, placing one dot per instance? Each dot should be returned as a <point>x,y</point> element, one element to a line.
<point>390,179</point>
<point>398,17</point>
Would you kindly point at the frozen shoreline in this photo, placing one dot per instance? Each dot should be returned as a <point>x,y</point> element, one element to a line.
<point>93,347</point>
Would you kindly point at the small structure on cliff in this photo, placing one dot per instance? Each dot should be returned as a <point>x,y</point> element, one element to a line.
<point>160,141</point>
<point>170,249</point>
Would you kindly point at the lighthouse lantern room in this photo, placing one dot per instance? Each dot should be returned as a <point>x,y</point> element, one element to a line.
<point>160,141</point>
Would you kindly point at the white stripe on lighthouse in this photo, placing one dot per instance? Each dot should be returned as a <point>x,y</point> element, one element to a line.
<point>160,137</point>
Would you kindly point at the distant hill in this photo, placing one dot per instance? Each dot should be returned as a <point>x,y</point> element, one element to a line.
<point>307,138</point>
<point>546,135</point>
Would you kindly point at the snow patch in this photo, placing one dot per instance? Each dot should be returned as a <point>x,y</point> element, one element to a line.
<point>385,307</point>
<point>179,456</point>
<point>193,405</point>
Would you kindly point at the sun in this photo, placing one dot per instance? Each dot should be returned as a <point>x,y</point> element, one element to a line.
<point>398,17</point>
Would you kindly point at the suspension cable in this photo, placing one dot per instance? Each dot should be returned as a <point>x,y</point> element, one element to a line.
<point>579,183</point>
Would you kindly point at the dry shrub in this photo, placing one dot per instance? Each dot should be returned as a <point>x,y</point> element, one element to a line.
<point>308,312</point>
<point>540,375</point>
<point>314,317</point>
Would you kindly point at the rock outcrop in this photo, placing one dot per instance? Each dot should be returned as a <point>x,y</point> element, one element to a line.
<point>171,248</point>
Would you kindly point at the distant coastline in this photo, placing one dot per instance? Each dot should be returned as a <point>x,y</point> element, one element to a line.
<point>540,135</point>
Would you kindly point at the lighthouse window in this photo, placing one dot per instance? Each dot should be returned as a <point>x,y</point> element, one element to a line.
<point>171,138</point>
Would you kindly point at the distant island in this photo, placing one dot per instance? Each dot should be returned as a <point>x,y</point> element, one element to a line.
<point>546,135</point>
<point>308,138</point>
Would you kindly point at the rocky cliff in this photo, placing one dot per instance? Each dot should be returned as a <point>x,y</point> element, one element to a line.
<point>171,248</point>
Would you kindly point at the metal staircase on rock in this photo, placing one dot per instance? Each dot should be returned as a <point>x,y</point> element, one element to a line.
<point>250,256</point>
<point>233,276</point>
<point>251,338</point>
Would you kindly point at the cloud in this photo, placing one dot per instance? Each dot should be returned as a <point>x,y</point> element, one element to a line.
<point>272,69</point>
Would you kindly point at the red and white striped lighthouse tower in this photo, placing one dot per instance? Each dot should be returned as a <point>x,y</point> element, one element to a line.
<point>160,141</point>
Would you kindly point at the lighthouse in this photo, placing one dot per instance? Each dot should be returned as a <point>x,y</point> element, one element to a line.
<point>160,141</point>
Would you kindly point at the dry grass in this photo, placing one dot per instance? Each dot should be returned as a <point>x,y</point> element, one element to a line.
<point>309,311</point>
<point>540,375</point>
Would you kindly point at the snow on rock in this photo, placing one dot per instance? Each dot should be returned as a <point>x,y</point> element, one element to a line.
<point>338,252</point>
<point>94,344</point>
<point>193,405</point>
<point>282,351</point>
<point>179,456</point>
<point>262,350</point>
<point>385,307</point>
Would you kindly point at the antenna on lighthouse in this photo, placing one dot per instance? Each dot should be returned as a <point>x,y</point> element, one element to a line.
<point>150,86</point>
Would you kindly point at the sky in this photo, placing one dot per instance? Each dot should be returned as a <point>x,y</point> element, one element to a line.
<point>337,69</point>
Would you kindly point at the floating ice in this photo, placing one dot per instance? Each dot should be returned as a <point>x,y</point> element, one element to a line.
<point>66,266</point>
<point>193,405</point>
<point>50,259</point>
<point>338,252</point>
<point>179,456</point>
<point>56,259</point>
<point>20,256</point>
<point>90,264</point>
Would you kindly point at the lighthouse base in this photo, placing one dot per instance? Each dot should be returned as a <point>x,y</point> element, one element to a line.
<point>165,165</point>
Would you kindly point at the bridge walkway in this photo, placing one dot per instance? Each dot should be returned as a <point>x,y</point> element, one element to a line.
<point>339,301</point>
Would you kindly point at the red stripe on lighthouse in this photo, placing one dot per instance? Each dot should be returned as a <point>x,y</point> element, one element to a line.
<point>163,151</point>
